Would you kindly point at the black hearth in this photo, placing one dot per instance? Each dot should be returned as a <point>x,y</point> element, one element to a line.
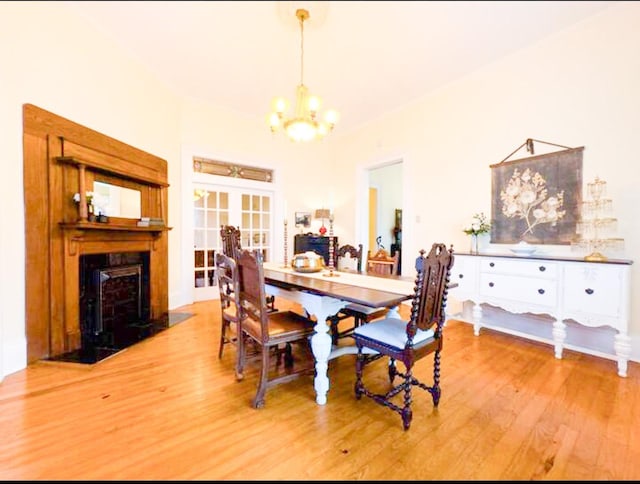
<point>114,305</point>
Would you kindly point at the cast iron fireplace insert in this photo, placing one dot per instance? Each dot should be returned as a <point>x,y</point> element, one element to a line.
<point>113,305</point>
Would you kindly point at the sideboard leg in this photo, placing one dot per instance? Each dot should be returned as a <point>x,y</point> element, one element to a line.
<point>622,346</point>
<point>477,318</point>
<point>559,335</point>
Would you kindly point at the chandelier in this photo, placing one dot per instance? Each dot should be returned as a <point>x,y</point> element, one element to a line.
<point>304,124</point>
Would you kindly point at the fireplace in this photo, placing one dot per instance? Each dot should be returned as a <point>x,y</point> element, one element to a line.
<point>114,305</point>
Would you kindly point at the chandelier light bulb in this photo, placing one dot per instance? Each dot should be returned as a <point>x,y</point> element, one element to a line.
<point>280,105</point>
<point>314,104</point>
<point>274,121</point>
<point>331,117</point>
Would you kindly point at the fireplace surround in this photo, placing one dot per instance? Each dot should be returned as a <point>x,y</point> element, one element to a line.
<point>62,158</point>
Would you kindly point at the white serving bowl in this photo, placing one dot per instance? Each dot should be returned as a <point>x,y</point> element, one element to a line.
<point>523,248</point>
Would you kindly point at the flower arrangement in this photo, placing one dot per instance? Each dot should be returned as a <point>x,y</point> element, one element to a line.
<point>88,197</point>
<point>479,225</point>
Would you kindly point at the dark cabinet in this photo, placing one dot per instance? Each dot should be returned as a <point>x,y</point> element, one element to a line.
<point>317,243</point>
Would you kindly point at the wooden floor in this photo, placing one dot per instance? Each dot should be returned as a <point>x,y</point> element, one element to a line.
<point>168,408</point>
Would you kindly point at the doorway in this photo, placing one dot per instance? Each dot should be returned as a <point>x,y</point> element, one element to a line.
<point>385,202</point>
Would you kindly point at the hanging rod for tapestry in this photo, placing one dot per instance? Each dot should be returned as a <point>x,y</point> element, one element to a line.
<point>529,144</point>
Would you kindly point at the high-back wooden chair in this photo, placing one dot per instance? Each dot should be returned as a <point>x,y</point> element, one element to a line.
<point>381,263</point>
<point>268,329</point>
<point>354,255</point>
<point>230,236</point>
<point>360,314</point>
<point>231,246</point>
<point>408,341</point>
<point>227,278</point>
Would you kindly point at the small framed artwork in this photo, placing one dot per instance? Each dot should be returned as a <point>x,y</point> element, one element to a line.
<point>303,219</point>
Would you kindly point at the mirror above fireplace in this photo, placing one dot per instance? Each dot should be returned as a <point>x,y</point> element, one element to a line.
<point>116,201</point>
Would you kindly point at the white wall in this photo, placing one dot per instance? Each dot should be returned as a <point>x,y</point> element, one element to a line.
<point>576,88</point>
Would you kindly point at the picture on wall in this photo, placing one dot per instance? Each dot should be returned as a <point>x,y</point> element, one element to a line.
<point>537,199</point>
<point>303,219</point>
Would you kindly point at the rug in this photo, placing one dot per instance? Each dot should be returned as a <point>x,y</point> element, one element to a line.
<point>175,318</point>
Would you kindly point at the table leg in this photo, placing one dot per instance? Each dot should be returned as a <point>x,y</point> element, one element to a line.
<point>321,307</point>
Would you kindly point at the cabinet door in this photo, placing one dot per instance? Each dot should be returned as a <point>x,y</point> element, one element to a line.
<point>464,273</point>
<point>593,289</point>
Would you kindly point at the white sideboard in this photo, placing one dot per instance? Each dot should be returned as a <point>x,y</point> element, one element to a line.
<point>593,294</point>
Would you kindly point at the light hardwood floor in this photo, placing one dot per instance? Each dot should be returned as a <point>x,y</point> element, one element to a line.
<point>168,408</point>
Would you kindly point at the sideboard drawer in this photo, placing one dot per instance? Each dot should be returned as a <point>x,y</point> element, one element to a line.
<point>541,292</point>
<point>527,268</point>
<point>464,273</point>
<point>594,289</point>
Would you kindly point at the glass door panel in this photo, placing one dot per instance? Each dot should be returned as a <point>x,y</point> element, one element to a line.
<point>214,206</point>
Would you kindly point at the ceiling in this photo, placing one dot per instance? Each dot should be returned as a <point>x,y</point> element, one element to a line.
<point>363,58</point>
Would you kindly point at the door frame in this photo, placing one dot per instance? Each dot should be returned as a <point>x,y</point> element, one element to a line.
<point>362,205</point>
<point>188,178</point>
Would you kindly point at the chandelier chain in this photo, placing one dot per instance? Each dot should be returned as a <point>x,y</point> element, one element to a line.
<point>301,48</point>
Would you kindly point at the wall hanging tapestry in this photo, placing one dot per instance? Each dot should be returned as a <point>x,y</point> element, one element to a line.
<point>537,199</point>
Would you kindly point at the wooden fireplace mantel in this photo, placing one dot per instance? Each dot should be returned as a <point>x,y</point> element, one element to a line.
<point>108,226</point>
<point>62,158</point>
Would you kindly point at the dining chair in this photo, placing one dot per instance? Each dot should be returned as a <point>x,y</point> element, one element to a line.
<point>360,314</point>
<point>409,341</point>
<point>231,246</point>
<point>227,278</point>
<point>268,329</point>
<point>347,256</point>
<point>381,263</point>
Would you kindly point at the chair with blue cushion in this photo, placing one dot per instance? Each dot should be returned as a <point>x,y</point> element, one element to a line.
<point>409,341</point>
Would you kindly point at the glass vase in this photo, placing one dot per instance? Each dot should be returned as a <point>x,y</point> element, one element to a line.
<point>474,245</point>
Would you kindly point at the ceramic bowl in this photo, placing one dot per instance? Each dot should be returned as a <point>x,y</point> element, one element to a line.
<point>523,249</point>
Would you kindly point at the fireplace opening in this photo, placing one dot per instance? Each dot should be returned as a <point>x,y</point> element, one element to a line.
<point>114,305</point>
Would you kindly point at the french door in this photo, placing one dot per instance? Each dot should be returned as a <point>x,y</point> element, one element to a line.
<point>215,205</point>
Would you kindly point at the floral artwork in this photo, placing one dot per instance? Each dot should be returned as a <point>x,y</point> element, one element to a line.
<point>526,197</point>
<point>537,199</point>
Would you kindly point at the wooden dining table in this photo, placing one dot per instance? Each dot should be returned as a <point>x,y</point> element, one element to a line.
<point>322,296</point>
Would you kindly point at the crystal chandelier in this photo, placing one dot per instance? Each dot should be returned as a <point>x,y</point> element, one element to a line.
<point>304,124</point>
